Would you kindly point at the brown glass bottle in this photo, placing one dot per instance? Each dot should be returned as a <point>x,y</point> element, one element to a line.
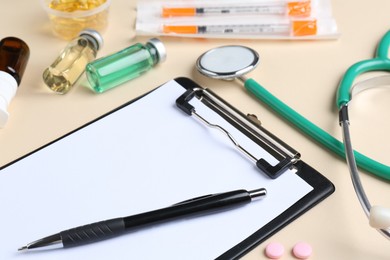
<point>14,55</point>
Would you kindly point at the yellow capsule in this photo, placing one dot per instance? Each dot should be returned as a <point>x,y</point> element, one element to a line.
<point>68,28</point>
<point>75,5</point>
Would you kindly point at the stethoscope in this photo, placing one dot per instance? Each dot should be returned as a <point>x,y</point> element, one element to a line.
<point>234,61</point>
<point>379,216</point>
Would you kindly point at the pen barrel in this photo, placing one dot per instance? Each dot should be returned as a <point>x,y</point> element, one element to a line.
<point>194,206</point>
<point>93,232</point>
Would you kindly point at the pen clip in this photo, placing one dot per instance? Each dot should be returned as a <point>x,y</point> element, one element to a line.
<point>285,155</point>
<point>193,199</point>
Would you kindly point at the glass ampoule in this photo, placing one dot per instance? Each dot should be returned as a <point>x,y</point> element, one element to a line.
<point>67,68</point>
<point>115,69</point>
<point>14,55</point>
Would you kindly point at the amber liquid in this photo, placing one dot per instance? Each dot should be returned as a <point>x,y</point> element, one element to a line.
<point>69,66</point>
<point>14,55</point>
<point>69,27</point>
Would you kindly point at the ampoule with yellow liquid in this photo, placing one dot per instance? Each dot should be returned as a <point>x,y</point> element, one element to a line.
<point>63,73</point>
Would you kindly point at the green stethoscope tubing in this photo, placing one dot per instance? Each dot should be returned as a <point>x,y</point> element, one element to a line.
<point>380,62</point>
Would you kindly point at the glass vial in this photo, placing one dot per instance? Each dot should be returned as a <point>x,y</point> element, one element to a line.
<point>70,64</point>
<point>14,55</point>
<point>115,69</point>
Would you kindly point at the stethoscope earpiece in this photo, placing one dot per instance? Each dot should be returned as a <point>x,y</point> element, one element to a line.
<point>379,217</point>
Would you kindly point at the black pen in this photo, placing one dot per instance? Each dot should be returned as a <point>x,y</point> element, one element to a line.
<point>114,227</point>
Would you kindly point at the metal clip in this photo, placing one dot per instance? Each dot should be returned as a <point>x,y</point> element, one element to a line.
<point>248,125</point>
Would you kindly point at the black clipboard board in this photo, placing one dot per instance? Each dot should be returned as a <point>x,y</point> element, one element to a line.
<point>322,188</point>
<point>287,157</point>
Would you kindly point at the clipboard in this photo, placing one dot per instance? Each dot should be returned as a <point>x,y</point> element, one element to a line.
<point>286,155</point>
<point>150,152</point>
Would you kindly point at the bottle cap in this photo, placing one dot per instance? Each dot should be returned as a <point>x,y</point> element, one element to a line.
<point>8,87</point>
<point>160,48</point>
<point>94,36</point>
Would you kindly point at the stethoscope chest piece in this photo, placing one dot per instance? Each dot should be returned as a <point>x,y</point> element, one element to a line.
<point>227,62</point>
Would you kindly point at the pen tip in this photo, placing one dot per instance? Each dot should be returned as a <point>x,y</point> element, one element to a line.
<point>23,248</point>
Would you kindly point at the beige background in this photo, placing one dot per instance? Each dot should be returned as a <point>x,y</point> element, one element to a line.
<point>304,74</point>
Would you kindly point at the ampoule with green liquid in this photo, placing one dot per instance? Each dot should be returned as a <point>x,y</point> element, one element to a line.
<point>67,68</point>
<point>115,69</point>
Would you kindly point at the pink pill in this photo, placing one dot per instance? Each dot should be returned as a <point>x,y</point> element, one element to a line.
<point>274,250</point>
<point>302,250</point>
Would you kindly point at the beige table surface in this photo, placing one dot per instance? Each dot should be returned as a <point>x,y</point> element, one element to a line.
<point>304,74</point>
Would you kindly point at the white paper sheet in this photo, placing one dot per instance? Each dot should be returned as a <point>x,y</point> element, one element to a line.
<point>145,156</point>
